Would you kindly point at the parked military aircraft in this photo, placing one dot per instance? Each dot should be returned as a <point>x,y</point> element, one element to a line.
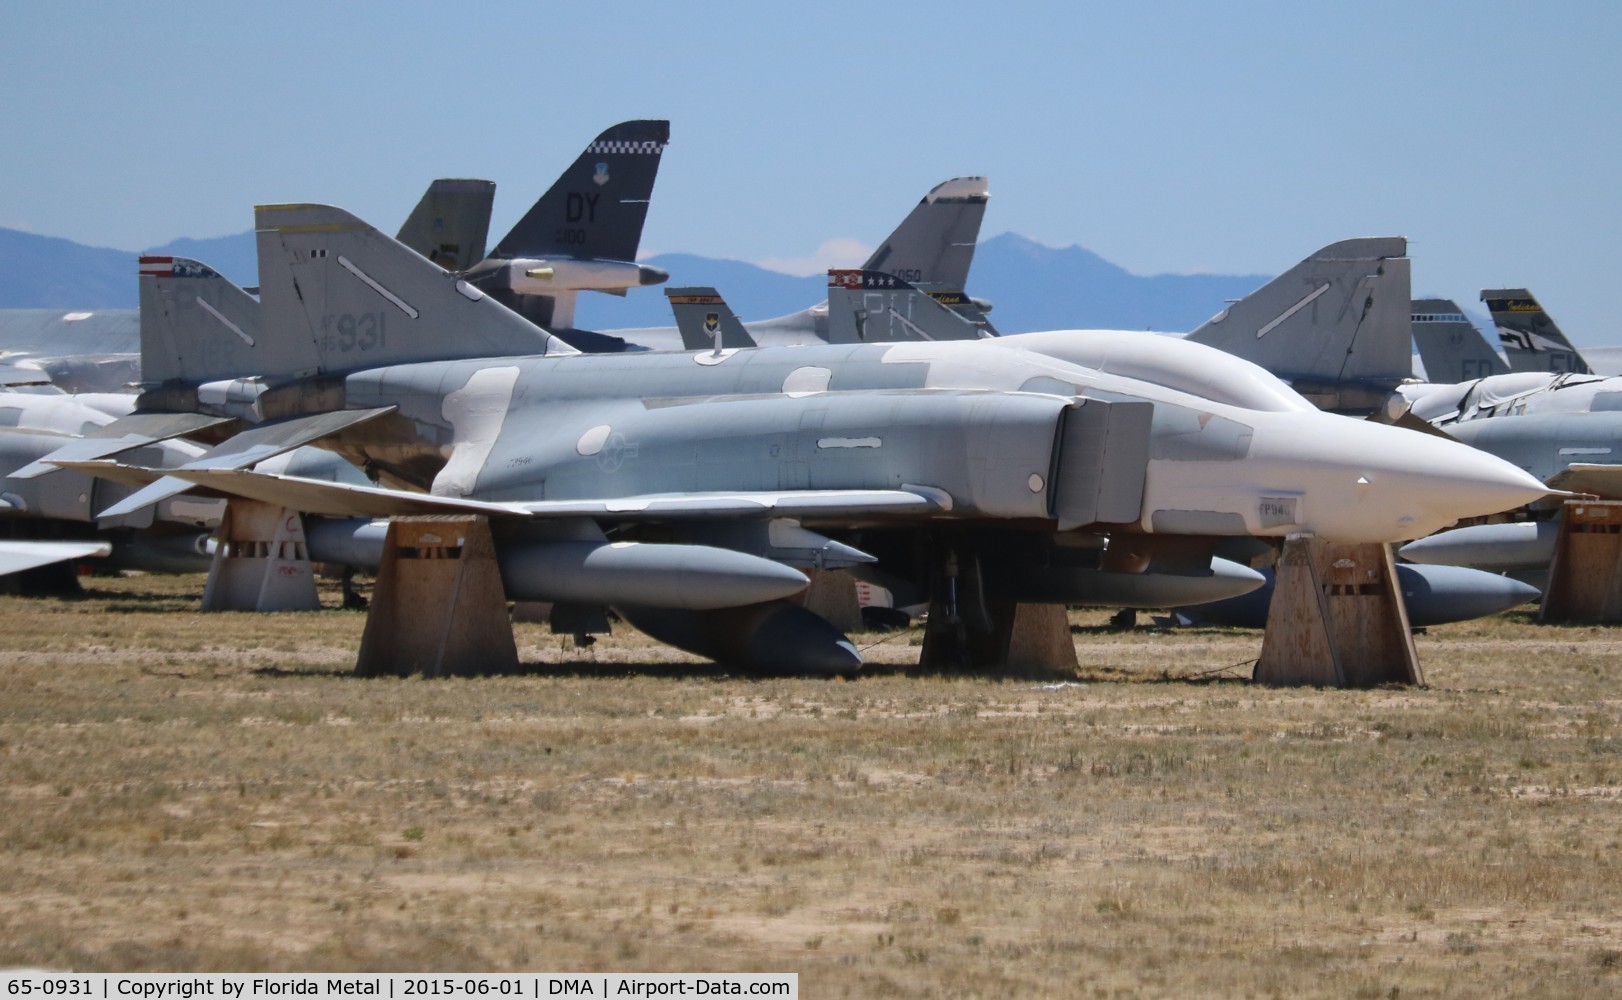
<point>1449,345</point>
<point>1532,342</point>
<point>930,250</point>
<point>682,488</point>
<point>581,234</point>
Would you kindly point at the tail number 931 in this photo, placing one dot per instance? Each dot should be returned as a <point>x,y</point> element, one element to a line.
<point>345,332</point>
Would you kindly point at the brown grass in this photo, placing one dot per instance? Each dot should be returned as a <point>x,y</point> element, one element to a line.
<point>180,791</point>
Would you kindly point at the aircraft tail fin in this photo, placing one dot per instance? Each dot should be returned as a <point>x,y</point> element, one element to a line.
<point>451,224</point>
<point>337,296</point>
<point>874,307</point>
<point>196,325</point>
<point>1532,341</point>
<point>933,246</point>
<point>597,207</point>
<point>1450,346</point>
<point>705,321</point>
<point>1336,325</point>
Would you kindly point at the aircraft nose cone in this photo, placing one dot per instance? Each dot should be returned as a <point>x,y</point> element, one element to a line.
<point>1467,482</point>
<point>1429,483</point>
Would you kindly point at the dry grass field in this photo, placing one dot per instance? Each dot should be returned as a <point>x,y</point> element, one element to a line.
<point>180,791</point>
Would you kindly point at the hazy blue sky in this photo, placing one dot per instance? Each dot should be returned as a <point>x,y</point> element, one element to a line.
<point>1168,137</point>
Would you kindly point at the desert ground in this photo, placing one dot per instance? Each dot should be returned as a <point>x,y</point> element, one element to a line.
<point>216,792</point>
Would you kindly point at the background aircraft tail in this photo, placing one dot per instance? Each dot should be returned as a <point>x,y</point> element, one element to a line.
<point>1532,341</point>
<point>337,296</point>
<point>874,307</point>
<point>705,321</point>
<point>196,326</point>
<point>933,246</point>
<point>597,207</point>
<point>1336,325</point>
<point>583,233</point>
<point>1450,346</point>
<point>451,224</point>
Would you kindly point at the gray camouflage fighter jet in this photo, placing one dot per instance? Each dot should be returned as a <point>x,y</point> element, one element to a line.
<point>685,488</point>
<point>581,234</point>
<point>930,250</point>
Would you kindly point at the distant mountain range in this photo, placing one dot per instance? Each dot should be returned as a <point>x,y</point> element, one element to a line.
<point>1033,287</point>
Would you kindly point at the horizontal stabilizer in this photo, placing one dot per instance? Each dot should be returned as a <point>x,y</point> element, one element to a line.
<point>18,556</point>
<point>105,468</point>
<point>134,431</point>
<point>319,496</point>
<point>253,445</point>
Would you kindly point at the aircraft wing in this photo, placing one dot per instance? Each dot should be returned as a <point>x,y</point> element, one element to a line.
<point>18,556</point>
<point>312,496</point>
<point>106,468</point>
<point>134,431</point>
<point>1603,481</point>
<point>319,496</point>
<point>253,445</point>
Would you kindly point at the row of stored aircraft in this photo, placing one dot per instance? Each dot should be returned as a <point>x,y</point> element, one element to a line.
<point>687,477</point>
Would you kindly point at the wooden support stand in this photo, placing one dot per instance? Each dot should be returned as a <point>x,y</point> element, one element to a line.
<point>438,608</point>
<point>832,595</point>
<point>1585,576</point>
<point>261,561</point>
<point>1021,637</point>
<point>1337,619</point>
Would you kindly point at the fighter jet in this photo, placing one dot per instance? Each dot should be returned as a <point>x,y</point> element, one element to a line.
<point>1449,345</point>
<point>581,234</point>
<point>930,250</point>
<point>1532,341</point>
<point>50,519</point>
<point>684,489</point>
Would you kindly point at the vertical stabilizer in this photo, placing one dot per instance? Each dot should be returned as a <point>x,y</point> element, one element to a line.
<point>934,245</point>
<point>705,321</point>
<point>1532,341</point>
<point>451,224</point>
<point>198,326</point>
<point>1450,346</point>
<point>583,233</point>
<point>1336,325</point>
<point>874,307</point>
<point>597,207</point>
<point>337,292</point>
